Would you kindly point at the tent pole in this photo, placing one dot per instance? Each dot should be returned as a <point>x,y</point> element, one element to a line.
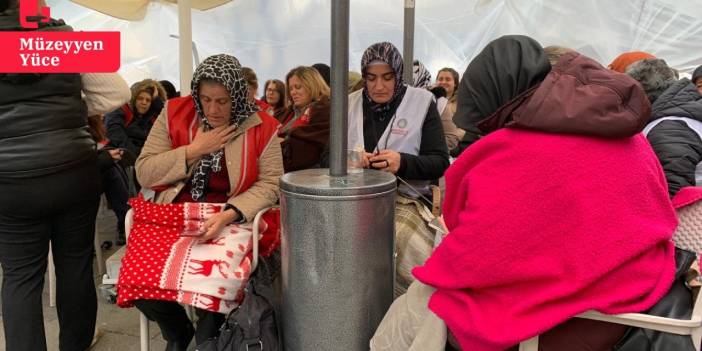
<point>408,43</point>
<point>339,88</point>
<point>185,45</point>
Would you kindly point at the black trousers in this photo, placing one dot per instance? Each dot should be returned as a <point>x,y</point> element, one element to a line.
<point>61,209</point>
<point>174,323</point>
<point>115,185</point>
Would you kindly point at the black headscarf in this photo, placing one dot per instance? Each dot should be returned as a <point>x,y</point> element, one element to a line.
<point>225,70</point>
<point>388,53</point>
<point>506,68</point>
<point>325,71</point>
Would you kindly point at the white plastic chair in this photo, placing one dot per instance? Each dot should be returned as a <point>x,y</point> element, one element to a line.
<point>688,235</point>
<point>143,321</point>
<point>691,327</point>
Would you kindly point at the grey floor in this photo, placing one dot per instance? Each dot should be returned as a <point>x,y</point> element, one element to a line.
<point>119,327</point>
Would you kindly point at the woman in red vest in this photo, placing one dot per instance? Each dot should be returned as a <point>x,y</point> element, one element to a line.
<point>129,125</point>
<point>215,147</point>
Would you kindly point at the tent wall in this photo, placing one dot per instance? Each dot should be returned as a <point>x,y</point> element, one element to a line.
<point>273,36</point>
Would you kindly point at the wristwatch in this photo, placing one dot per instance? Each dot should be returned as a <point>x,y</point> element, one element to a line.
<point>241,218</point>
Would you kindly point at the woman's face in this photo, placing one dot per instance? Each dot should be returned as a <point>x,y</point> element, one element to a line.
<point>300,95</point>
<point>699,85</point>
<point>380,82</point>
<point>445,80</point>
<point>143,102</point>
<point>216,103</point>
<point>272,95</point>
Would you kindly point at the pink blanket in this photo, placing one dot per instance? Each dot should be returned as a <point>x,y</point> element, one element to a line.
<point>544,227</point>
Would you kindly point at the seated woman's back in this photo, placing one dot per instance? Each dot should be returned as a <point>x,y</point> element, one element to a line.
<point>554,214</point>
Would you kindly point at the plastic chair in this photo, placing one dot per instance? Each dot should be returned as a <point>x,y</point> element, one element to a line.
<point>688,235</point>
<point>691,327</point>
<point>143,321</point>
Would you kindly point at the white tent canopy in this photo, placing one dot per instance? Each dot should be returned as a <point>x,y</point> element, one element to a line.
<point>272,36</point>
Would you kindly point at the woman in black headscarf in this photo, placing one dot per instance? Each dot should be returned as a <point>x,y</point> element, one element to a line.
<point>543,178</point>
<point>398,126</point>
<point>399,129</point>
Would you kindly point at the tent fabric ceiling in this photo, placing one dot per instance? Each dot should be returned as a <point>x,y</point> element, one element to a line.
<point>273,36</point>
<point>135,10</point>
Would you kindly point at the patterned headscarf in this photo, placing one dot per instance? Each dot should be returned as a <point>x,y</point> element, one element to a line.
<point>388,53</point>
<point>225,70</point>
<point>420,75</point>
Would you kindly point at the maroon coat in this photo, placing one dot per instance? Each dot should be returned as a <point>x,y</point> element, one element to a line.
<point>304,144</point>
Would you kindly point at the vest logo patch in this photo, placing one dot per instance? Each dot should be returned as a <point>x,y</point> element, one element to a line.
<point>399,131</point>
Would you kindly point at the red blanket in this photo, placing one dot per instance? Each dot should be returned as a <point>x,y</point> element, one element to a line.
<point>161,264</point>
<point>543,227</point>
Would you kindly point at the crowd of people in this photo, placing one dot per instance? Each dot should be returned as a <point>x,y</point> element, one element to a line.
<point>559,178</point>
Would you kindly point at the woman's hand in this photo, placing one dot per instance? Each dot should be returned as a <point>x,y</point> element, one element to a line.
<point>386,160</point>
<point>208,142</point>
<point>214,225</point>
<point>116,154</point>
<point>366,159</point>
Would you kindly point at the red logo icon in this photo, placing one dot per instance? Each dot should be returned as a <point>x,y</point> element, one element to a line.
<point>31,14</point>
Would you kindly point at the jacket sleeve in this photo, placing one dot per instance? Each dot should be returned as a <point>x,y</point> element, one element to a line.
<point>104,160</point>
<point>104,92</point>
<point>117,131</point>
<point>679,150</point>
<point>433,158</point>
<point>470,136</point>
<point>159,163</point>
<point>453,133</point>
<point>264,192</point>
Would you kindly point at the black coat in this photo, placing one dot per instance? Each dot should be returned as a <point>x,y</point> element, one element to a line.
<point>43,120</point>
<point>132,135</point>
<point>678,147</point>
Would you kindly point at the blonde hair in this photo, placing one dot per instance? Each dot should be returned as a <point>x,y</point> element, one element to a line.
<point>555,52</point>
<point>311,80</point>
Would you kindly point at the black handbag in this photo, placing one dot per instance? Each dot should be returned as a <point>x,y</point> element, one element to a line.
<point>250,327</point>
<point>677,303</point>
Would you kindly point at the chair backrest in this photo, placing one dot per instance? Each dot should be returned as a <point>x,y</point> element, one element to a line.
<point>688,234</point>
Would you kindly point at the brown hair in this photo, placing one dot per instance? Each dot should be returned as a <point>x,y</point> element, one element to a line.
<point>279,87</point>
<point>146,85</point>
<point>250,76</point>
<point>455,78</point>
<point>96,128</point>
<point>311,80</point>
